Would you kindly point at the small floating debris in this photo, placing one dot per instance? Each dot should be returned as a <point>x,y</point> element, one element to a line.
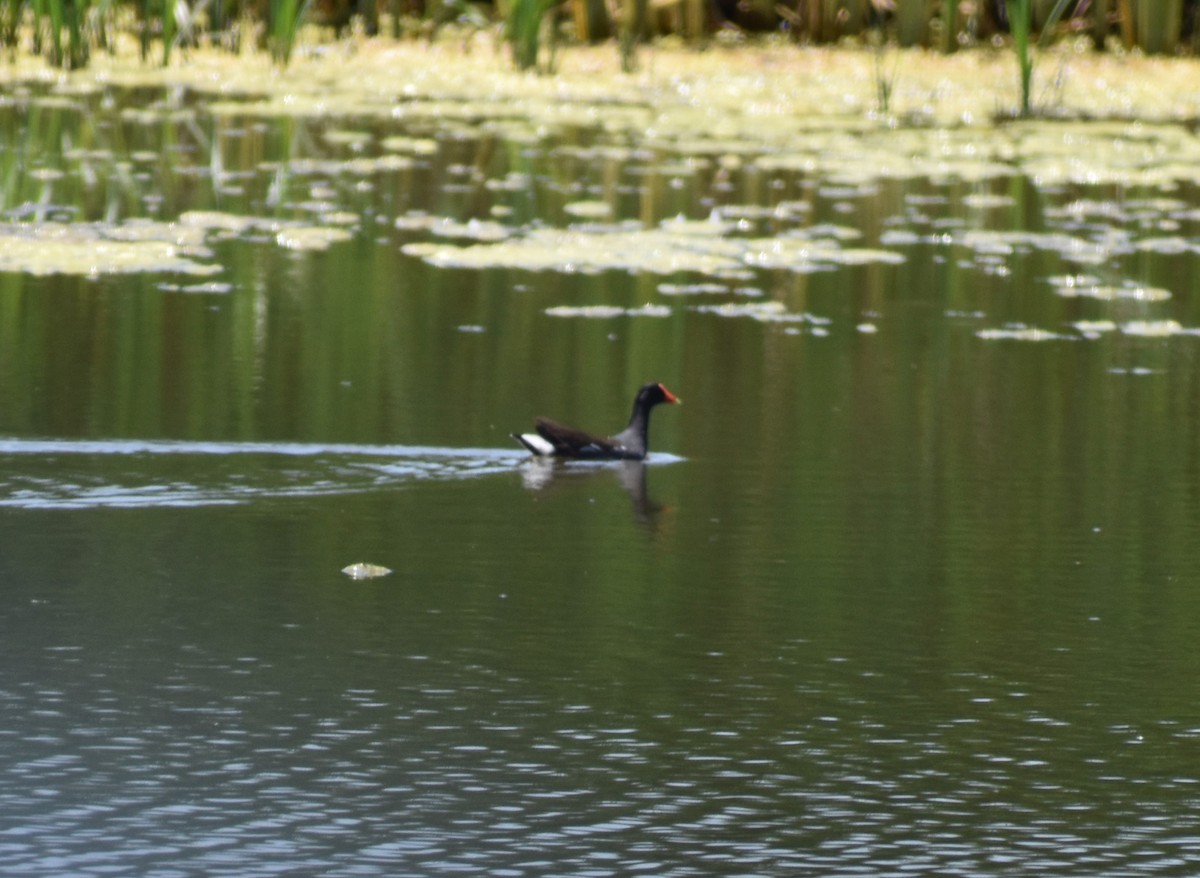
<point>366,571</point>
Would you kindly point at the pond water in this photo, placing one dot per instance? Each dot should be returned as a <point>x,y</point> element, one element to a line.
<point>908,585</point>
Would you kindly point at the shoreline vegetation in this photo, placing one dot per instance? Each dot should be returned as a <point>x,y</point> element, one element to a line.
<point>72,33</point>
<point>726,87</point>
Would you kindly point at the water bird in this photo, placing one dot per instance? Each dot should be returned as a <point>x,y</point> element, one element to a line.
<point>552,439</point>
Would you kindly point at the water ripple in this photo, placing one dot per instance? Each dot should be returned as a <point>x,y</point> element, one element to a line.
<point>83,474</point>
<point>75,474</point>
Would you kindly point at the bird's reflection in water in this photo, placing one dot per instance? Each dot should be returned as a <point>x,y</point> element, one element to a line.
<point>547,473</point>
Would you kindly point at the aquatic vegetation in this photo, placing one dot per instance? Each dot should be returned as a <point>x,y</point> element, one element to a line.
<point>147,246</point>
<point>209,288</point>
<point>1020,333</point>
<point>524,23</point>
<point>608,311</point>
<point>283,24</point>
<point>764,312</point>
<point>1153,328</point>
<point>70,33</point>
<point>1020,19</point>
<point>1090,330</point>
<point>1109,293</point>
<point>700,247</point>
<point>92,250</point>
<point>589,209</point>
<point>444,227</point>
<point>311,237</point>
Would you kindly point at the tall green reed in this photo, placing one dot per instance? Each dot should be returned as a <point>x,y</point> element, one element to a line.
<point>1157,24</point>
<point>1020,21</point>
<point>633,28</point>
<point>283,24</point>
<point>949,32</point>
<point>11,12</point>
<point>71,16</point>
<point>523,30</point>
<point>912,23</point>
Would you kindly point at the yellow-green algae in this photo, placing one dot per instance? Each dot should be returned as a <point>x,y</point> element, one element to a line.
<point>91,250</point>
<point>311,237</point>
<point>1091,330</point>
<point>704,247</point>
<point>766,109</point>
<point>608,311</point>
<point>144,245</point>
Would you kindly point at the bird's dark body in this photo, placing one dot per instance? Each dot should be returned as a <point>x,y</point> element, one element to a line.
<point>553,439</point>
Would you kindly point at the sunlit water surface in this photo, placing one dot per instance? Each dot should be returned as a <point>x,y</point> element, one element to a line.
<point>909,586</point>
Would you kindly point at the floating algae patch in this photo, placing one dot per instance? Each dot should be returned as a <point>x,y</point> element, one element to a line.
<point>804,254</point>
<point>227,224</point>
<point>91,250</point>
<point>988,201</point>
<point>291,235</point>
<point>713,225</point>
<point>1093,329</point>
<point>444,227</point>
<point>311,237</point>
<point>1155,328</point>
<point>608,311</point>
<point>590,252</point>
<point>347,137</point>
<point>361,166</point>
<point>763,312</point>
<point>1167,245</point>
<point>1129,292</point>
<point>211,288</point>
<point>414,145</point>
<point>593,311</point>
<point>1073,248</point>
<point>701,289</point>
<point>1020,333</point>
<point>589,209</point>
<point>699,247</point>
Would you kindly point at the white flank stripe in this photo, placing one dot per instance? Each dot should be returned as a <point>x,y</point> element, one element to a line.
<point>536,443</point>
